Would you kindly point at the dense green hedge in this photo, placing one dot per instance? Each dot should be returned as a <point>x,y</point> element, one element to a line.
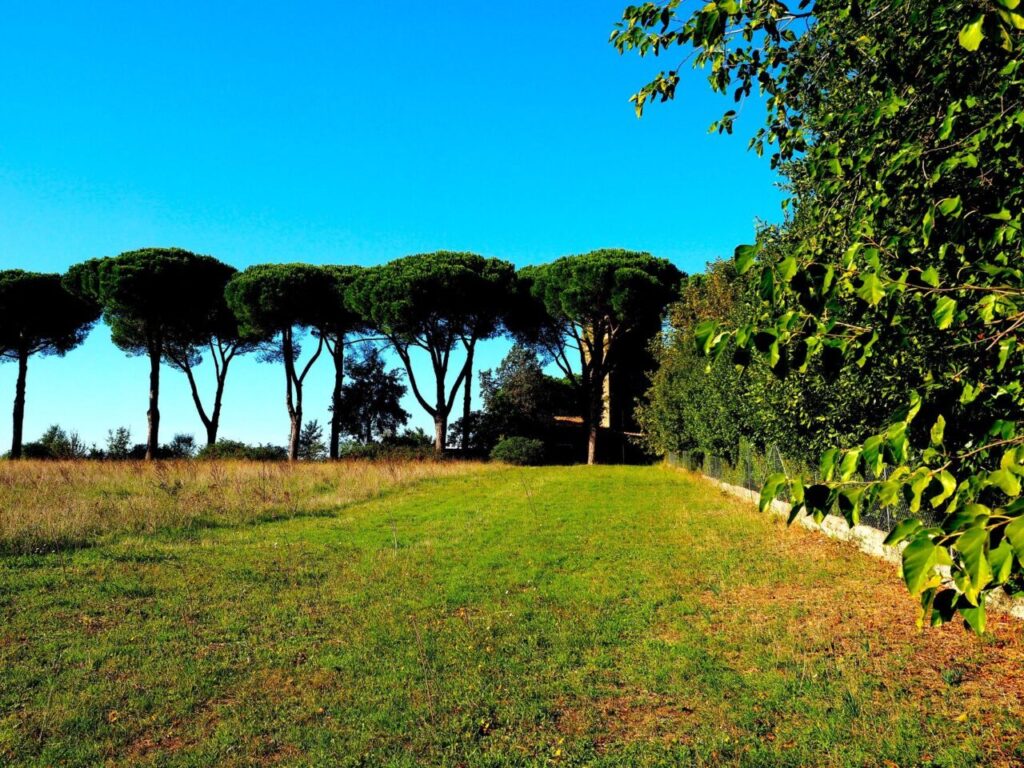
<point>524,451</point>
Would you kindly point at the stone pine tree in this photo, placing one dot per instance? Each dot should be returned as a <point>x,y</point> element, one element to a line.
<point>151,298</point>
<point>37,317</point>
<point>594,307</point>
<point>435,303</point>
<point>218,338</point>
<point>283,302</point>
<point>338,322</point>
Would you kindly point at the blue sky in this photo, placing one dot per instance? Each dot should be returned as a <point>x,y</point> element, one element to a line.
<point>337,133</point>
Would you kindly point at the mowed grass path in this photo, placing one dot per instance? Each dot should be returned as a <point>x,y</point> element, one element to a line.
<point>556,616</point>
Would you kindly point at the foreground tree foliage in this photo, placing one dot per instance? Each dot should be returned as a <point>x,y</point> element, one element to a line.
<point>281,302</point>
<point>152,299</point>
<point>900,127</point>
<point>435,303</point>
<point>592,307</point>
<point>37,317</point>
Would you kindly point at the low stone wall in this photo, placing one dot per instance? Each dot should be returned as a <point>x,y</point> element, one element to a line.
<point>864,537</point>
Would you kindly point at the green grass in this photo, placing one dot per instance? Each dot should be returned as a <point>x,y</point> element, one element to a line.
<point>555,616</point>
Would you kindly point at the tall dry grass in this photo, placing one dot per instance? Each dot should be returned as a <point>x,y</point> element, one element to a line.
<point>51,505</point>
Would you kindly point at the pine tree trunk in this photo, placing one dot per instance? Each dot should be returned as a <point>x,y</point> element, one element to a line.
<point>339,377</point>
<point>213,425</point>
<point>19,405</point>
<point>592,444</point>
<point>440,431</point>
<point>440,413</point>
<point>294,408</point>
<point>153,414</point>
<point>467,402</point>
<point>595,410</point>
<point>293,438</point>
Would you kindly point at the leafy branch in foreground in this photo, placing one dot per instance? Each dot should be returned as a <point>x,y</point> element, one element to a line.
<point>899,127</point>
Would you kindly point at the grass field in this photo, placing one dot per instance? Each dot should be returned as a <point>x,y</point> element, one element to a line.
<point>478,616</point>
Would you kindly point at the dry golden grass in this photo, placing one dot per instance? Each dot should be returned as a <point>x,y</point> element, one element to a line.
<point>48,505</point>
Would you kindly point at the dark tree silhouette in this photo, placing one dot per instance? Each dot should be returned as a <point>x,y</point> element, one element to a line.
<point>435,302</point>
<point>218,336</point>
<point>37,317</point>
<point>339,321</point>
<point>594,306</point>
<point>152,298</point>
<point>281,302</point>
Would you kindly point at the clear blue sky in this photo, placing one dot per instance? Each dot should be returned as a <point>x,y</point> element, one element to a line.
<point>337,133</point>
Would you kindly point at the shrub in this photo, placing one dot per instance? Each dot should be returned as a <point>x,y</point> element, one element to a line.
<point>119,443</point>
<point>56,443</point>
<point>235,449</point>
<point>183,446</point>
<point>375,451</point>
<point>524,451</point>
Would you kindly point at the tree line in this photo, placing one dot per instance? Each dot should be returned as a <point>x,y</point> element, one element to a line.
<point>180,308</point>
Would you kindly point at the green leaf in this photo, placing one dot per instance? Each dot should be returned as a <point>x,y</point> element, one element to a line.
<point>903,530</point>
<point>871,289</point>
<point>1005,481</point>
<point>828,463</point>
<point>848,500</point>
<point>971,545</point>
<point>896,441</point>
<point>848,465</point>
<point>770,490</point>
<point>945,310</point>
<point>1000,560</point>
<point>888,492</point>
<point>850,254</point>
<point>972,34</point>
<point>944,607</point>
<point>974,615</point>
<point>1005,347</point>
<point>947,124</point>
<point>1015,535</point>
<point>921,480</point>
<point>938,430</point>
<point>930,277</point>
<point>969,394</point>
<point>818,499</point>
<point>767,287</point>
<point>872,454</point>
<point>745,256</point>
<point>704,335</point>
<point>919,559</point>
<point>787,268</point>
<point>949,205</point>
<point>948,483</point>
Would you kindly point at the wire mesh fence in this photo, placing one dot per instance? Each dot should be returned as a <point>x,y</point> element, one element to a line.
<point>751,469</point>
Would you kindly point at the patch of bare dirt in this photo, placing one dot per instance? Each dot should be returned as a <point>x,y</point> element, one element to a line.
<point>625,717</point>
